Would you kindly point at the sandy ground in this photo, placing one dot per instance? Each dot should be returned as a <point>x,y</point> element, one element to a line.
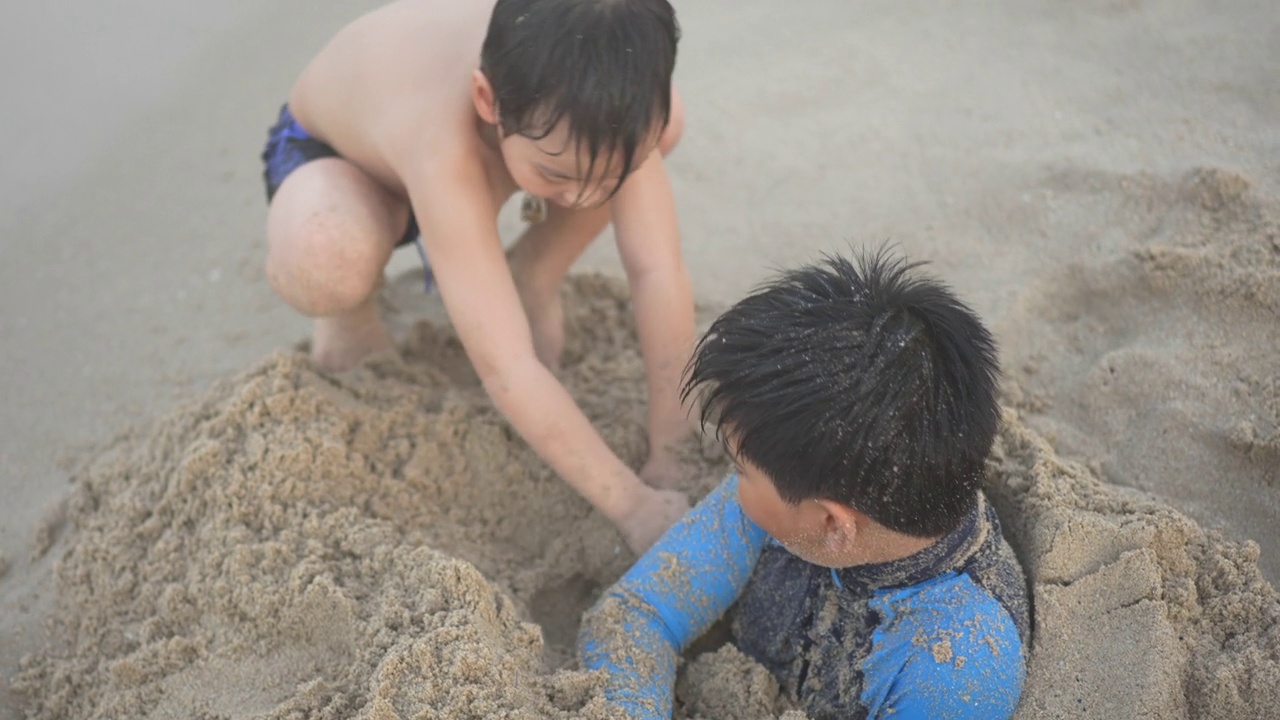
<point>1101,179</point>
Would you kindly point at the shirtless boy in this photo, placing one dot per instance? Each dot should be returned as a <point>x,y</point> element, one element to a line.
<point>420,120</point>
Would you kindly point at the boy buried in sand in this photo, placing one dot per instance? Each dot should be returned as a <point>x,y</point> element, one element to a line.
<point>430,114</point>
<point>858,403</point>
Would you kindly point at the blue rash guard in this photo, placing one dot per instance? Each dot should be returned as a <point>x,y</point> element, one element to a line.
<point>939,634</point>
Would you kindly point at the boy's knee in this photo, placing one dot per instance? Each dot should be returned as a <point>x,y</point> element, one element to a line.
<point>675,126</point>
<point>318,277</point>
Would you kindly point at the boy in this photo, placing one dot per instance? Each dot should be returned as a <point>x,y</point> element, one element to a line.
<point>428,115</point>
<point>858,403</point>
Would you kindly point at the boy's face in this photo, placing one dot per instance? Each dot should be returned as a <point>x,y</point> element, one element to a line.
<point>555,168</point>
<point>808,530</point>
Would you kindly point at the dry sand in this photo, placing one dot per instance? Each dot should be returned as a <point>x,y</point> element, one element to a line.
<point>380,545</point>
<point>1100,178</point>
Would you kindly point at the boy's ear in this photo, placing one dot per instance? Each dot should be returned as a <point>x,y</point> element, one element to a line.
<point>840,526</point>
<point>482,97</point>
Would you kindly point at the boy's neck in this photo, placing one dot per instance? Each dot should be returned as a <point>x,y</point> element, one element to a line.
<point>877,544</point>
<point>489,136</point>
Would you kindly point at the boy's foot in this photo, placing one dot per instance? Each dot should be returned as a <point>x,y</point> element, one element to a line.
<point>341,342</point>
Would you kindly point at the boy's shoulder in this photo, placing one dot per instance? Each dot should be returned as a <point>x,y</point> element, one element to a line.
<point>392,89</point>
<point>945,607</point>
<point>943,642</point>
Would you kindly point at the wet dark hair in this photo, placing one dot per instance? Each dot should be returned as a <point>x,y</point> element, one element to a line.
<point>603,65</point>
<point>861,382</point>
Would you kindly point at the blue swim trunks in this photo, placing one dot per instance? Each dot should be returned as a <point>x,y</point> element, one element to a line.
<point>289,147</point>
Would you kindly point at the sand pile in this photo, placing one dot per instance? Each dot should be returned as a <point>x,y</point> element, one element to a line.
<point>1139,612</point>
<point>380,545</point>
<point>1150,352</point>
<point>276,549</point>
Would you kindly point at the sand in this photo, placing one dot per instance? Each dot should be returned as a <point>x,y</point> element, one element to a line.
<point>338,547</point>
<point>380,545</point>
<point>1160,362</point>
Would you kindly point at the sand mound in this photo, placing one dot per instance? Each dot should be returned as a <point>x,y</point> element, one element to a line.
<point>380,545</point>
<point>275,550</point>
<point>1151,353</point>
<point>1139,612</point>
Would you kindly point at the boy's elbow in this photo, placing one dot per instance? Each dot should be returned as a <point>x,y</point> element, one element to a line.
<point>624,619</point>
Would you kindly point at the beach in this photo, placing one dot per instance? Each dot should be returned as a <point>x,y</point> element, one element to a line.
<point>1100,180</point>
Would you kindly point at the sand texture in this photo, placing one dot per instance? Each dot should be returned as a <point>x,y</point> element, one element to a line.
<point>1099,178</point>
<point>1156,362</point>
<point>379,545</point>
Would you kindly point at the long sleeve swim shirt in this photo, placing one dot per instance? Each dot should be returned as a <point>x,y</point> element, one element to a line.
<point>939,634</point>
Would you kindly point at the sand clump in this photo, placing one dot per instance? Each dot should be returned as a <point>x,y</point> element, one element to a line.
<point>725,684</point>
<point>373,545</point>
<point>1139,612</point>
<point>381,545</point>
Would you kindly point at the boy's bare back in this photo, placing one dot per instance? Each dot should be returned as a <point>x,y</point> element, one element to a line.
<point>392,90</point>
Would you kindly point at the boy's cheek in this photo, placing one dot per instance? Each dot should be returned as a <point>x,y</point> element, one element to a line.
<point>757,509</point>
<point>745,500</point>
<point>528,181</point>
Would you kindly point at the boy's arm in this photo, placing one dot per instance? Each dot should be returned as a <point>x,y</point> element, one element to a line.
<point>648,236</point>
<point>668,598</point>
<point>456,214</point>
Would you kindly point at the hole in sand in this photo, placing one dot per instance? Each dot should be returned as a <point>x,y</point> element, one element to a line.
<point>558,609</point>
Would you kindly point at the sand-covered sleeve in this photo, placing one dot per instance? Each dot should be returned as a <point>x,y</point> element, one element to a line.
<point>682,585</point>
<point>958,656</point>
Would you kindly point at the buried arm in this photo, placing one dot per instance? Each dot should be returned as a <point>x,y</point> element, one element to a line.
<point>670,596</point>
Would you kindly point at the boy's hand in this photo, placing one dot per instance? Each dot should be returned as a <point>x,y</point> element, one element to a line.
<point>654,512</point>
<point>662,471</point>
